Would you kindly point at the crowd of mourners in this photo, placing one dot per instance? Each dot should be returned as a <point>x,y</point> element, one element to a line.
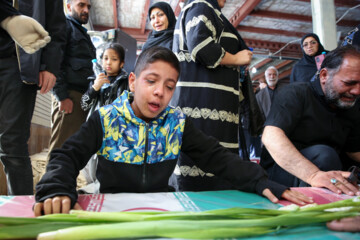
<point>185,118</point>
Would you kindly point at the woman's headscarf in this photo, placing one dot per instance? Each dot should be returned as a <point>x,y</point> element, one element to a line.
<point>166,8</point>
<point>306,68</point>
<point>162,38</point>
<point>319,51</point>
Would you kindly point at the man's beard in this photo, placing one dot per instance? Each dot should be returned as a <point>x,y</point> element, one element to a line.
<point>79,18</point>
<point>271,83</point>
<point>333,97</point>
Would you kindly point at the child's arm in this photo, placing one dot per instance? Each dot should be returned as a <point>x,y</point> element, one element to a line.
<point>210,156</point>
<point>66,162</point>
<point>88,99</point>
<point>100,80</point>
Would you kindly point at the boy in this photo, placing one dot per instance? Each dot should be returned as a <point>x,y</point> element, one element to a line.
<point>121,132</point>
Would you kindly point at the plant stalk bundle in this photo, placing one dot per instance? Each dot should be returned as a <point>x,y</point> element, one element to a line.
<point>221,223</point>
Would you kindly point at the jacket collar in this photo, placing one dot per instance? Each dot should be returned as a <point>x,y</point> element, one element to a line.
<point>122,105</point>
<point>76,22</point>
<point>315,84</point>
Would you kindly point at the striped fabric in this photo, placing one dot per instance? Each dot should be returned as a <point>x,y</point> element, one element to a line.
<point>207,92</point>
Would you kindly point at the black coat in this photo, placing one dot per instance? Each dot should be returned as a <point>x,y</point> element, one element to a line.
<point>47,58</point>
<point>7,46</point>
<point>92,100</point>
<point>76,66</point>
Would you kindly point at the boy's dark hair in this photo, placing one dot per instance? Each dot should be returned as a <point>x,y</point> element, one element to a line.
<point>335,58</point>
<point>117,48</point>
<point>154,54</point>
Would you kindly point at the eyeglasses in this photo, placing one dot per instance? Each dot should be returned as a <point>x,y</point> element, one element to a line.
<point>309,43</point>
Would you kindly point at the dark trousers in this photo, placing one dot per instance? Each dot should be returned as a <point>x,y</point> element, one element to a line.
<point>253,145</point>
<point>17,101</point>
<point>323,156</point>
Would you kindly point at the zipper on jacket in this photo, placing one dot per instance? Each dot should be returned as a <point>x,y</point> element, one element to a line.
<point>145,157</point>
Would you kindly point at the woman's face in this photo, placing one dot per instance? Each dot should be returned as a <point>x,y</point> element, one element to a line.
<point>158,19</point>
<point>221,3</point>
<point>310,46</point>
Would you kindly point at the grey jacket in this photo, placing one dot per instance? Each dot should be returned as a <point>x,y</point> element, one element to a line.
<point>264,101</point>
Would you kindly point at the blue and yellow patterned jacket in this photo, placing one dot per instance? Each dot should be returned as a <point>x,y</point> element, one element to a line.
<point>138,146</point>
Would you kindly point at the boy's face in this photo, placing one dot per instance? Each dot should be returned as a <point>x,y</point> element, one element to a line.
<point>153,89</point>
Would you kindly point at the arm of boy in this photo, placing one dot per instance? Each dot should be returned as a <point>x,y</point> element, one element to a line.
<point>292,196</point>
<point>246,176</point>
<point>58,184</point>
<point>99,81</point>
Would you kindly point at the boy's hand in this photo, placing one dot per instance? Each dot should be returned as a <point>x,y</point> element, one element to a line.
<point>99,81</point>
<point>292,196</point>
<point>59,204</point>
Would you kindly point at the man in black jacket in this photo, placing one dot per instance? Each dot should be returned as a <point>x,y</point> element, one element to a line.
<point>67,115</point>
<point>21,76</point>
